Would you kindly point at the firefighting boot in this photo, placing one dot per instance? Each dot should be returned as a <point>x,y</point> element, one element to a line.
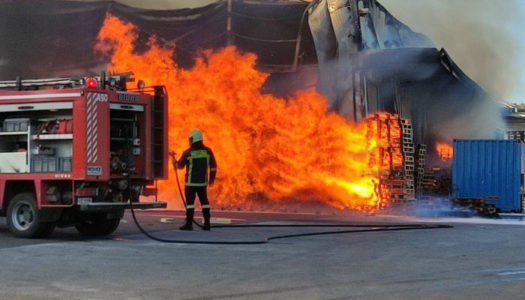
<point>187,226</point>
<point>189,220</point>
<point>207,216</point>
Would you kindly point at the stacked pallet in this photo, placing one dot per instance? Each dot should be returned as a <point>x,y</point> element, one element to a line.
<point>409,165</point>
<point>421,152</point>
<point>383,131</point>
<point>429,182</point>
<point>396,160</point>
<point>516,135</point>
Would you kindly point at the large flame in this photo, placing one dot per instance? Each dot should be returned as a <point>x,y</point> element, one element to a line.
<point>445,151</point>
<point>267,147</point>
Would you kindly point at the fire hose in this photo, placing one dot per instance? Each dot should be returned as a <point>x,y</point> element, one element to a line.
<point>356,227</point>
<point>265,240</point>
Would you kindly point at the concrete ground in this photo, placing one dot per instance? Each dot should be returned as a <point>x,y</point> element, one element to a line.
<point>469,261</point>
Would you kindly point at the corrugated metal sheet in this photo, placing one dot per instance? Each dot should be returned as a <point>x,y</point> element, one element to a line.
<point>488,168</point>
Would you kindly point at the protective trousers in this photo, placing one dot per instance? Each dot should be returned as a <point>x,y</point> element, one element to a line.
<point>191,192</point>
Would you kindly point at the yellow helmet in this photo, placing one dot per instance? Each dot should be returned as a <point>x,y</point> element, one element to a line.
<point>195,136</point>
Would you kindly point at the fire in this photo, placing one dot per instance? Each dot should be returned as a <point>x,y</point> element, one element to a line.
<point>445,151</point>
<point>267,147</point>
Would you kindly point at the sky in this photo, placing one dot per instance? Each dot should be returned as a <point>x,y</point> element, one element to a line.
<point>484,37</point>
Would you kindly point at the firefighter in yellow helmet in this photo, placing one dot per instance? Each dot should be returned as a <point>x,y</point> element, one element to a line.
<point>201,169</point>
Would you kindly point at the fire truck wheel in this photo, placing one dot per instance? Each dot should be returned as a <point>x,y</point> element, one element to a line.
<point>23,218</point>
<point>98,225</point>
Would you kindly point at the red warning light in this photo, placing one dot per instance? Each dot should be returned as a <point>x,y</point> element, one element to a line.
<point>91,83</point>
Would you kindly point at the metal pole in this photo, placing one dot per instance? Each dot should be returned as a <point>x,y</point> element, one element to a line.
<point>365,93</point>
<point>229,23</point>
<point>354,96</point>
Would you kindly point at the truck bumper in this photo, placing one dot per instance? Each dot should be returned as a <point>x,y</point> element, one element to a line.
<point>112,206</point>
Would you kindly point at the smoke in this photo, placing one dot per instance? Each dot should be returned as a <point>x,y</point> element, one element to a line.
<point>438,207</point>
<point>479,121</point>
<point>441,107</point>
<point>336,76</point>
<point>484,37</point>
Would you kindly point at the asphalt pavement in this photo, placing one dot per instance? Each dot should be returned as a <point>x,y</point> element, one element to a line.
<point>477,259</point>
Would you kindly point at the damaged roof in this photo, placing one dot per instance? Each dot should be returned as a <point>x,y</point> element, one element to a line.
<point>65,32</point>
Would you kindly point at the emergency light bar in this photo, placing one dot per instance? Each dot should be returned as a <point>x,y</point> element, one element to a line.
<point>91,83</point>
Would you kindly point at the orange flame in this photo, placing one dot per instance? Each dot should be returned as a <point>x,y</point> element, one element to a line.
<point>445,151</point>
<point>266,147</point>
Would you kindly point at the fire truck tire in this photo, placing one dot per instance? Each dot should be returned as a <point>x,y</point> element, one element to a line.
<point>98,225</point>
<point>23,218</point>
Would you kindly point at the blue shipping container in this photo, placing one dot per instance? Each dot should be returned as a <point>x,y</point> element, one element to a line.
<point>488,168</point>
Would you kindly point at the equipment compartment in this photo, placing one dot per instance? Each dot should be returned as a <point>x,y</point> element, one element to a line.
<point>16,125</point>
<point>37,139</point>
<point>43,163</point>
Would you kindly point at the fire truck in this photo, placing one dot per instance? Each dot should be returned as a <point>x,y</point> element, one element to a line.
<point>77,151</point>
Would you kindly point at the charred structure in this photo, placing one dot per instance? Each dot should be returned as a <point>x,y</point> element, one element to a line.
<point>367,60</point>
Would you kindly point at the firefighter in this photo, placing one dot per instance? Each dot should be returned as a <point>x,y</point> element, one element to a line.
<point>197,159</point>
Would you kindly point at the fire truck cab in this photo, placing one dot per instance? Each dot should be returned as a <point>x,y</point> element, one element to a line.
<point>77,151</point>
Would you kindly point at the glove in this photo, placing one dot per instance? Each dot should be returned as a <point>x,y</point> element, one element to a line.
<point>173,156</point>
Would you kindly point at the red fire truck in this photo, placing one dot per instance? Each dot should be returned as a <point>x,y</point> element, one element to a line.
<point>76,151</point>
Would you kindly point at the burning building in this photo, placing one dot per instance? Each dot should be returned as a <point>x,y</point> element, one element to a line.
<point>274,143</point>
<point>360,56</point>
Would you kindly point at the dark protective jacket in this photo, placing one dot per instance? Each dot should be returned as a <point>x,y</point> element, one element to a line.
<point>197,159</point>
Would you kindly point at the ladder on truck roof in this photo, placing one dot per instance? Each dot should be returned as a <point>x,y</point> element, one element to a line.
<point>114,80</point>
<point>36,83</point>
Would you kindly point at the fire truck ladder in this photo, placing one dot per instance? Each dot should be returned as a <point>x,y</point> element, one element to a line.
<point>37,83</point>
<point>115,81</point>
